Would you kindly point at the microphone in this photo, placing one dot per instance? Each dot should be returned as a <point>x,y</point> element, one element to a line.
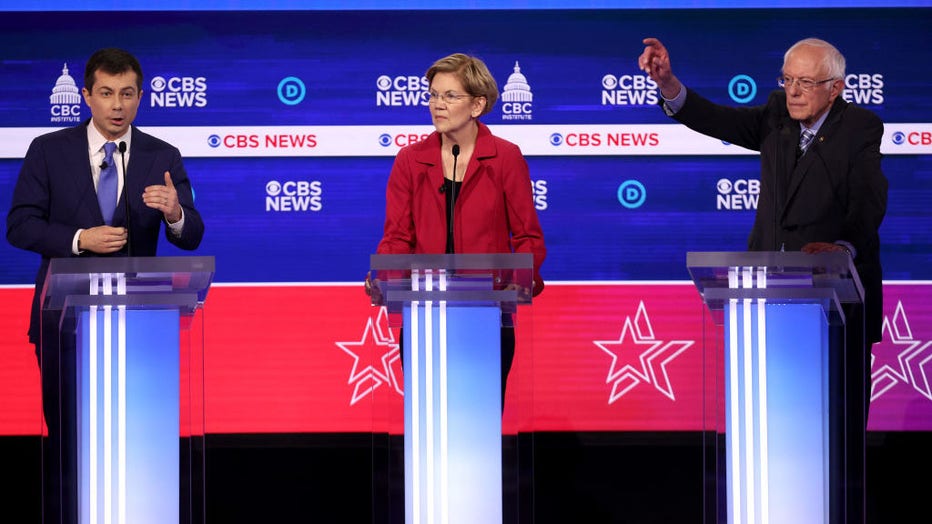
<point>103,165</point>
<point>129,243</point>
<point>780,186</point>
<point>456,153</point>
<point>442,188</point>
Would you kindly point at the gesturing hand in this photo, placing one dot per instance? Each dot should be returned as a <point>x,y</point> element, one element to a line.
<point>164,198</point>
<point>655,61</point>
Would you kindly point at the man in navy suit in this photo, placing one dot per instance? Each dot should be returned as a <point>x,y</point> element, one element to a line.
<point>56,213</point>
<point>824,193</point>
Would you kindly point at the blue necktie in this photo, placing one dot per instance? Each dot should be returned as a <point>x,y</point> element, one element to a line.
<point>107,186</point>
<point>804,140</point>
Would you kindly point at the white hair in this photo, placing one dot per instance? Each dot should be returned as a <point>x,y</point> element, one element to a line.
<point>833,61</point>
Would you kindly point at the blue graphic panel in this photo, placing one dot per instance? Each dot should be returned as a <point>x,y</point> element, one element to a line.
<point>590,234</point>
<point>225,68</point>
<point>604,217</point>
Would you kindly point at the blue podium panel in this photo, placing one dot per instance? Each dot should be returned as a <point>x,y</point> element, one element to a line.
<point>453,465</point>
<point>776,400</point>
<point>126,321</point>
<point>452,310</point>
<point>128,415</point>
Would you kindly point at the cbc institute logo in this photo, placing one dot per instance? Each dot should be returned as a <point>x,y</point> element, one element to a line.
<point>65,100</point>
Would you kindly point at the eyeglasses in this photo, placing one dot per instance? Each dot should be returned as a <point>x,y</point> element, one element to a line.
<point>448,98</point>
<point>804,84</point>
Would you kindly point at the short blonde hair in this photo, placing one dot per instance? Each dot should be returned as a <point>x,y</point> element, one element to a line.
<point>472,73</point>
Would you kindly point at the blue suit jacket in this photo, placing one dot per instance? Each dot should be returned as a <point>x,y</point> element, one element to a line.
<point>55,196</point>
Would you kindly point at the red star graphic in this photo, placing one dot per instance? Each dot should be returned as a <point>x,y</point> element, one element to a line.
<point>371,361</point>
<point>652,357</point>
<point>665,355</point>
<point>919,365</point>
<point>627,373</point>
<point>631,353</point>
<point>890,357</point>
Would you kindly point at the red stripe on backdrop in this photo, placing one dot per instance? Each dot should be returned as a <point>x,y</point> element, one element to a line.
<point>616,357</point>
<point>295,359</point>
<point>273,363</point>
<point>21,408</point>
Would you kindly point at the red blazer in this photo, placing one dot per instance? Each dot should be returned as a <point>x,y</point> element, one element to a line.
<point>494,211</point>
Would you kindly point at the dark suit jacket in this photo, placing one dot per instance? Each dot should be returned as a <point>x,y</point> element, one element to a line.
<point>836,191</point>
<point>54,197</point>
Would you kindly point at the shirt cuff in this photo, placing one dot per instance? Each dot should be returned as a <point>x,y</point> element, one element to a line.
<point>672,106</point>
<point>74,243</point>
<point>176,228</point>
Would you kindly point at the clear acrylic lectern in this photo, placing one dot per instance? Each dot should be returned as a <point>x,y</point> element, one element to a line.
<point>786,456</point>
<point>129,330</point>
<point>452,309</point>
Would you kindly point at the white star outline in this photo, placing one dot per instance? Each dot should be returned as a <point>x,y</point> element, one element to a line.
<point>625,378</point>
<point>914,360</point>
<point>369,378</point>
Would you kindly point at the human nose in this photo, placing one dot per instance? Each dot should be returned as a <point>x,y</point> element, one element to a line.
<point>794,86</point>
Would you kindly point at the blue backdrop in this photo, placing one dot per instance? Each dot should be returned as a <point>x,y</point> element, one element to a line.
<point>224,75</point>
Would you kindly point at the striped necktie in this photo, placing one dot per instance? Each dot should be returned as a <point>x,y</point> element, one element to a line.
<point>805,139</point>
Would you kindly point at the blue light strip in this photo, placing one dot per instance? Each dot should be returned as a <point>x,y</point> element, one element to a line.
<point>452,408</point>
<point>128,411</point>
<point>777,440</point>
<point>377,5</point>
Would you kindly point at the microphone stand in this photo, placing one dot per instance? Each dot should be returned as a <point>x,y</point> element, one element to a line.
<point>129,243</point>
<point>456,153</point>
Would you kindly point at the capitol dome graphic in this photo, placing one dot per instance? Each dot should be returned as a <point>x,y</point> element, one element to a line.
<point>65,100</point>
<point>517,88</point>
<point>65,90</point>
<point>517,97</point>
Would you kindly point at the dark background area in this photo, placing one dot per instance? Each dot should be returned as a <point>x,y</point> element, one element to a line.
<point>617,478</point>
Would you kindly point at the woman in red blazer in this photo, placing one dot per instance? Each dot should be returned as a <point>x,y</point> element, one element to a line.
<point>462,189</point>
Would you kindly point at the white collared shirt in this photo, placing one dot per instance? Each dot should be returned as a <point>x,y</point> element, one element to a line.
<point>95,151</point>
<point>96,154</point>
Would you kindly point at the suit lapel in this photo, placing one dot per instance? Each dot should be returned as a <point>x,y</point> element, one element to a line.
<point>787,151</point>
<point>427,154</point>
<point>82,180</point>
<point>798,172</point>
<point>484,149</point>
<point>802,165</point>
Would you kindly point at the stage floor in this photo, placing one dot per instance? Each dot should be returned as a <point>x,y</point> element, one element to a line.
<point>641,478</point>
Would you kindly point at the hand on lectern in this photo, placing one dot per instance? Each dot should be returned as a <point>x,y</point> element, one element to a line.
<point>373,289</point>
<point>524,294</point>
<point>823,247</point>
